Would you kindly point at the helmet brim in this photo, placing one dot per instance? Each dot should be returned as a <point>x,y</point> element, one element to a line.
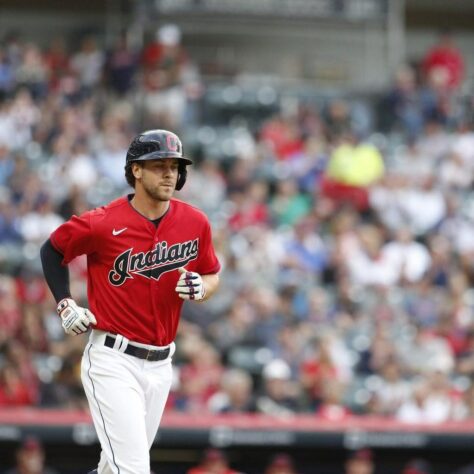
<point>161,155</point>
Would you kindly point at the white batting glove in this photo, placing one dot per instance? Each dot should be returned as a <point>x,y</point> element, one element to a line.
<point>75,320</point>
<point>190,285</point>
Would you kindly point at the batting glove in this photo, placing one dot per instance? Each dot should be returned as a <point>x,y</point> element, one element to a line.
<point>75,320</point>
<point>190,285</point>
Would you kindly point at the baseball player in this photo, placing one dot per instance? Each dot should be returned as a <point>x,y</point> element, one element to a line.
<point>146,254</point>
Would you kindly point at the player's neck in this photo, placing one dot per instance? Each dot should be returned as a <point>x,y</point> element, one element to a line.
<point>148,207</point>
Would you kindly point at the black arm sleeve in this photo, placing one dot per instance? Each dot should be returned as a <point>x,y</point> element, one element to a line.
<point>56,274</point>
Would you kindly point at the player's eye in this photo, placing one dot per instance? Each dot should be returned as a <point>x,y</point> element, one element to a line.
<point>164,166</point>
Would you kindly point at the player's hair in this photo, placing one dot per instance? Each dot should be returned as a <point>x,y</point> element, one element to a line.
<point>129,173</point>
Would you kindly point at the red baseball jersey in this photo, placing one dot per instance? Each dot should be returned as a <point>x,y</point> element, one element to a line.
<point>132,265</point>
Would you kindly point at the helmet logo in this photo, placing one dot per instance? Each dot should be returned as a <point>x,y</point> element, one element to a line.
<point>172,142</point>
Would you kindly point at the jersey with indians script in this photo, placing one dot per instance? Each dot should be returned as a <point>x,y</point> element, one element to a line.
<point>132,265</point>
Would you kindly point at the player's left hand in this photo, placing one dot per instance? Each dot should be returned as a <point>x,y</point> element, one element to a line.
<point>190,285</point>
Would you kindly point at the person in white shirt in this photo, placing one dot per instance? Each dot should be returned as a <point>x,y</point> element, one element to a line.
<point>411,257</point>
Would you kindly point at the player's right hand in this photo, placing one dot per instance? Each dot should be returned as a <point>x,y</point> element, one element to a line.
<point>75,319</point>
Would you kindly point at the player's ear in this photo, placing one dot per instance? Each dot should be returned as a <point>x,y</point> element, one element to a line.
<point>137,170</point>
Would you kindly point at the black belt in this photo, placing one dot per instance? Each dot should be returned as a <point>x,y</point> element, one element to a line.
<point>140,352</point>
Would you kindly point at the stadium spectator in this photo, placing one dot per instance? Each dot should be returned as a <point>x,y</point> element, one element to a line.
<point>214,462</point>
<point>250,207</point>
<point>305,254</point>
<point>281,463</point>
<point>379,350</point>
<point>465,360</point>
<point>282,137</point>
<point>427,352</point>
<point>111,147</point>
<point>236,328</point>
<point>20,116</point>
<point>199,377</point>
<point>42,219</point>
<point>10,311</point>
<point>57,61</point>
<point>412,257</point>
<point>412,161</point>
<point>352,168</point>
<point>317,368</point>
<point>268,319</point>
<point>6,74</point>
<point>165,70</point>
<point>360,462</point>
<point>337,119</point>
<point>65,389</point>
<point>390,391</point>
<point>235,394</point>
<point>277,397</point>
<point>454,174</point>
<point>81,170</point>
<point>239,175</point>
<point>88,64</point>
<point>417,466</point>
<point>288,205</point>
<point>32,73</point>
<point>14,390</point>
<point>462,142</point>
<point>445,59</point>
<point>7,164</point>
<point>458,228</point>
<point>19,355</point>
<point>400,108</point>
<point>420,206</point>
<point>433,401</point>
<point>208,175</point>
<point>371,264</point>
<point>332,406</point>
<point>30,459</point>
<point>121,66</point>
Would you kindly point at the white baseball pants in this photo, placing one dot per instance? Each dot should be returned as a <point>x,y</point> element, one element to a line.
<point>127,396</point>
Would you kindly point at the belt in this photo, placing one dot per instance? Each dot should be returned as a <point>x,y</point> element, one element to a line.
<point>140,352</point>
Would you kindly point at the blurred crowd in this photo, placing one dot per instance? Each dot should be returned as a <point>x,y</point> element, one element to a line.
<point>347,245</point>
<point>30,458</point>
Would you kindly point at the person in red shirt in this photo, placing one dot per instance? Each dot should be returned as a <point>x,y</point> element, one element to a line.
<point>281,463</point>
<point>57,61</point>
<point>417,466</point>
<point>316,371</point>
<point>14,391</point>
<point>146,253</point>
<point>283,136</point>
<point>200,377</point>
<point>214,462</point>
<point>445,58</point>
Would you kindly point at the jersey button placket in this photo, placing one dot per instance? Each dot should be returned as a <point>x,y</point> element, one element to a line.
<point>154,289</point>
<point>156,241</point>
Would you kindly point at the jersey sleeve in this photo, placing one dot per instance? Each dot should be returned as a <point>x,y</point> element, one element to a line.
<point>75,237</point>
<point>208,262</point>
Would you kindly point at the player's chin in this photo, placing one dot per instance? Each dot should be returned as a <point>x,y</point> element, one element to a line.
<point>168,194</point>
<point>168,188</point>
<point>163,193</point>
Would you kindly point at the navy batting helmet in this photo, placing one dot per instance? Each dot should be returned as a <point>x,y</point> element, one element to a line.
<point>156,145</point>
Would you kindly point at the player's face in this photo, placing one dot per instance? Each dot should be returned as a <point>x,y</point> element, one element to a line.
<point>158,178</point>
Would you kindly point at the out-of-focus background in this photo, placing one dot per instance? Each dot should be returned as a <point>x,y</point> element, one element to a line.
<point>333,144</point>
